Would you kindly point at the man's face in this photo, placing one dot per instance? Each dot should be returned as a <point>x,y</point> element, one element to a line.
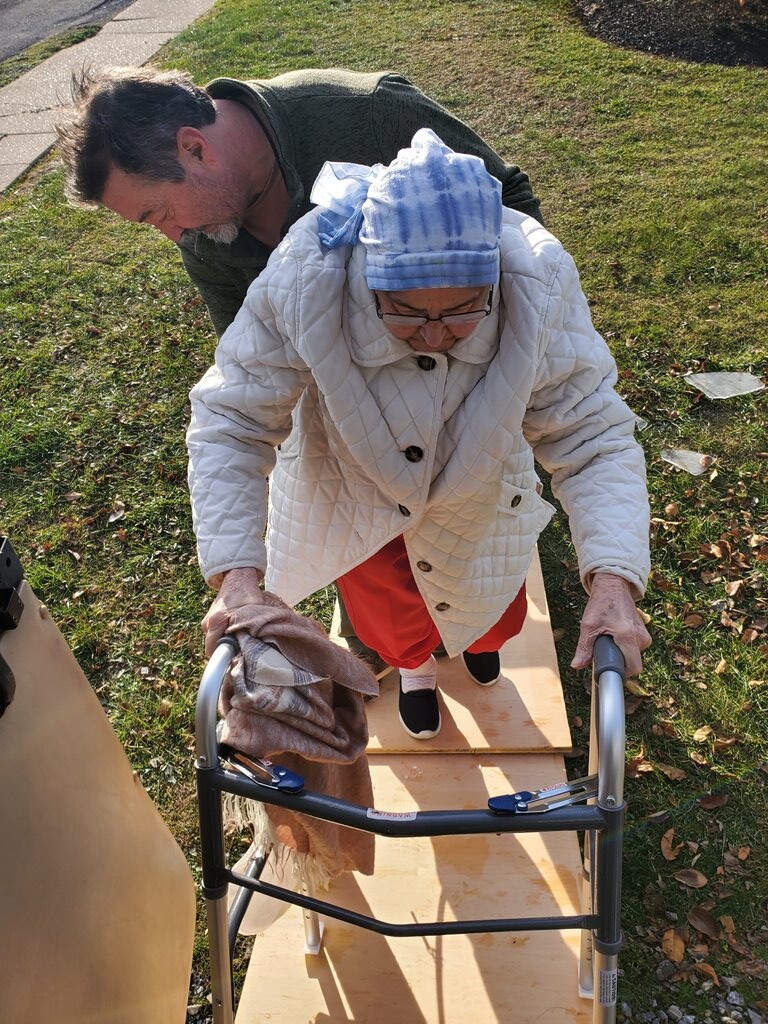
<point>203,202</point>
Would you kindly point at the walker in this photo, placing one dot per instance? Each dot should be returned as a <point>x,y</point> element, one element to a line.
<point>440,934</point>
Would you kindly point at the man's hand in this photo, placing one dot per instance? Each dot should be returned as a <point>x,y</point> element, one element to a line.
<point>611,609</point>
<point>239,587</point>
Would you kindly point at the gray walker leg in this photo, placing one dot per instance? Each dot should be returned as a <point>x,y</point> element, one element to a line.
<point>601,880</point>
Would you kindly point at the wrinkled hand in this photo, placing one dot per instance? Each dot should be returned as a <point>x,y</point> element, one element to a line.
<point>239,587</point>
<point>611,609</point>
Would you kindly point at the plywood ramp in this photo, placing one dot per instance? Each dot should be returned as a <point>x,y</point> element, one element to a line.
<point>363,977</point>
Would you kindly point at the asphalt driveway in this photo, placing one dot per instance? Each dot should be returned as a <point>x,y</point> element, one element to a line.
<point>24,22</point>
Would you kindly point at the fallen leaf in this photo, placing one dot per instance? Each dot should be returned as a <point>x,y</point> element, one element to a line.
<point>691,877</point>
<point>754,968</point>
<point>664,729</point>
<point>631,704</point>
<point>117,513</point>
<point>733,587</point>
<point>728,923</point>
<point>744,852</point>
<point>672,773</point>
<point>739,947</point>
<point>698,758</point>
<point>668,850</point>
<point>693,621</point>
<point>702,735</point>
<point>633,687</point>
<point>673,945</point>
<point>723,742</point>
<point>713,800</point>
<point>722,667</point>
<point>708,970</point>
<point>72,496</point>
<point>637,766</point>
<point>704,922</point>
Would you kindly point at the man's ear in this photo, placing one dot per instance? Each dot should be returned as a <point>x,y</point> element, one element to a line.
<point>193,147</point>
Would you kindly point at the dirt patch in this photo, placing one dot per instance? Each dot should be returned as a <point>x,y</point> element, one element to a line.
<point>730,32</point>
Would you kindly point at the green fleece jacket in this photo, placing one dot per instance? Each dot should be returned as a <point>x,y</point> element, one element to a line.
<point>314,116</point>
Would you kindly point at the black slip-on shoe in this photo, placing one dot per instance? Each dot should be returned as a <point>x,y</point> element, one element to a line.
<point>419,713</point>
<point>484,668</point>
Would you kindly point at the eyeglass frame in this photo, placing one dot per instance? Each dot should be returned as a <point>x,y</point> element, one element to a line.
<point>447,320</point>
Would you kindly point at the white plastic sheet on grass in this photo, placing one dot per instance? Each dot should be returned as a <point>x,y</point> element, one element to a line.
<point>694,463</point>
<point>724,385</point>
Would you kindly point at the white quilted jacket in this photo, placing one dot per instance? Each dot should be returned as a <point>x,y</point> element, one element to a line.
<point>377,440</point>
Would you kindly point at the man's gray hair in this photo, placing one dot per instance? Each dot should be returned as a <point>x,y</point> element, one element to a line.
<point>127,118</point>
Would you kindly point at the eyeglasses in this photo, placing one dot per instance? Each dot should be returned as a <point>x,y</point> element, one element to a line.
<point>448,320</point>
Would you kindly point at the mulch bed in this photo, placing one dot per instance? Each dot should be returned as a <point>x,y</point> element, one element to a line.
<point>727,32</point>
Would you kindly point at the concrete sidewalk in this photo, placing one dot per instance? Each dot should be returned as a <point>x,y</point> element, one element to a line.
<point>29,105</point>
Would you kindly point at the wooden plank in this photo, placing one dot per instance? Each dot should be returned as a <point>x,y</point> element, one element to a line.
<point>360,976</point>
<point>523,713</point>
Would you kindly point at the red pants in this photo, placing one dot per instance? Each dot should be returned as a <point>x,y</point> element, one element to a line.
<point>389,614</point>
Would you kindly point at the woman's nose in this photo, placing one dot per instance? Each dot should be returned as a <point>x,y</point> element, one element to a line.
<point>433,332</point>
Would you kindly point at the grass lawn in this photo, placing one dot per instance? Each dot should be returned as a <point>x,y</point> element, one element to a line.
<point>652,172</point>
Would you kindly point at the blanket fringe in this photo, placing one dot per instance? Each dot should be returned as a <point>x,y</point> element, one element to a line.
<point>300,871</point>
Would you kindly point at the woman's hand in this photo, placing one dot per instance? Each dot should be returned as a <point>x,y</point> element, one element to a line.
<point>239,587</point>
<point>611,609</point>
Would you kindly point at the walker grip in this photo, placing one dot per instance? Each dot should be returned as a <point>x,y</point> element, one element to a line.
<point>607,657</point>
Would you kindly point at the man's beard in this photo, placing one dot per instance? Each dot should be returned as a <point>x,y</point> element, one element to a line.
<point>224,234</point>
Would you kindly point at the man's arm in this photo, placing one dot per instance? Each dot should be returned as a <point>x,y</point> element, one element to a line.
<point>401,109</point>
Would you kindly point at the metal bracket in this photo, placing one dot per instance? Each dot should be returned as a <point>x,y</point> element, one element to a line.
<point>543,800</point>
<point>262,771</point>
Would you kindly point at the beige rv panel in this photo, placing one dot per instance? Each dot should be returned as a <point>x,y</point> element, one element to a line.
<point>98,903</point>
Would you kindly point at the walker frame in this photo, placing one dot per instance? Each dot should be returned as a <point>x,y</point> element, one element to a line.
<point>594,805</point>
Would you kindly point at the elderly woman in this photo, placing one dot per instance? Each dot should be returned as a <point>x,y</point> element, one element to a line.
<point>407,351</point>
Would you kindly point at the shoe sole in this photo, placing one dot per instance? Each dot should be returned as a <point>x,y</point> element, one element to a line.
<point>425,734</point>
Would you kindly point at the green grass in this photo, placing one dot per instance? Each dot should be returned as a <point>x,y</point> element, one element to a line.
<point>13,67</point>
<point>651,172</point>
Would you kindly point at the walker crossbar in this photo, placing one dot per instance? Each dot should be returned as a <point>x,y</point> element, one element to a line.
<point>552,810</point>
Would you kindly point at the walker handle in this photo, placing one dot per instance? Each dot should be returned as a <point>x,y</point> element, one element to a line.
<point>607,657</point>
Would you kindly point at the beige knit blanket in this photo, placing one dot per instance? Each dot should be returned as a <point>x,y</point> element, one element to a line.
<point>296,698</point>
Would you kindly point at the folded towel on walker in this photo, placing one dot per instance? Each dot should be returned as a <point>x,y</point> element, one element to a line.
<point>293,696</point>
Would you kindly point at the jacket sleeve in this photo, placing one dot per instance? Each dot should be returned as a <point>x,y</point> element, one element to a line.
<point>241,411</point>
<point>400,109</point>
<point>582,433</point>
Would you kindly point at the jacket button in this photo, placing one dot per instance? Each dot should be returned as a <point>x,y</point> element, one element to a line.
<point>516,500</point>
<point>424,566</point>
<point>413,454</point>
<point>404,511</point>
<point>426,363</point>
<point>442,607</point>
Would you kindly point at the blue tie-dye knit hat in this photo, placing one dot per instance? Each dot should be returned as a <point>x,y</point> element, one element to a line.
<point>431,219</point>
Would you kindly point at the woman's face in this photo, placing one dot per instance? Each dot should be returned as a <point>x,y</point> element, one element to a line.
<point>434,335</point>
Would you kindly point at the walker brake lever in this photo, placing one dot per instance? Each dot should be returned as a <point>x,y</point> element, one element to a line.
<point>255,768</point>
<point>525,802</point>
